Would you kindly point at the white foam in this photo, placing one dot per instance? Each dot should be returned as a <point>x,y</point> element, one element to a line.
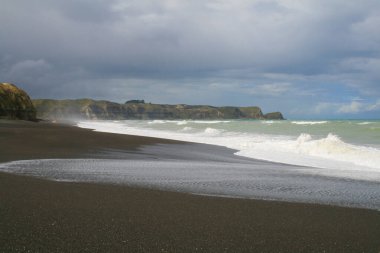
<point>270,122</point>
<point>365,123</point>
<point>330,152</point>
<point>184,122</point>
<point>180,123</point>
<point>322,152</point>
<point>157,122</point>
<point>212,131</point>
<point>177,122</point>
<point>209,121</point>
<point>309,122</point>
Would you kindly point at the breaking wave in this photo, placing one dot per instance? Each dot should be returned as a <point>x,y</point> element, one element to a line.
<point>184,122</point>
<point>329,152</point>
<point>309,122</point>
<point>365,123</point>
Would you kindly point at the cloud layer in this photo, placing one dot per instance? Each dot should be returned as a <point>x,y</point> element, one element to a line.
<point>280,54</point>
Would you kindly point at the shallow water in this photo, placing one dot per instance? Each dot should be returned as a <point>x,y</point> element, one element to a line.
<point>200,169</point>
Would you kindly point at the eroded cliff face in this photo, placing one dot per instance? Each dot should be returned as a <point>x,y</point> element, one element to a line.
<point>15,103</point>
<point>93,109</point>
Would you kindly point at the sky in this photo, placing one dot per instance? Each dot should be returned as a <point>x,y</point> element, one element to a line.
<point>306,58</point>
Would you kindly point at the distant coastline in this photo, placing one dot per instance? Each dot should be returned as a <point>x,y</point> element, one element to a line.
<point>16,104</point>
<point>138,109</point>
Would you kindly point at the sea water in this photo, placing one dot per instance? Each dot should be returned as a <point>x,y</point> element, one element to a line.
<point>349,148</point>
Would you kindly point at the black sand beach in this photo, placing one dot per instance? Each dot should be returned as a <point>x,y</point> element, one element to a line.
<point>37,215</point>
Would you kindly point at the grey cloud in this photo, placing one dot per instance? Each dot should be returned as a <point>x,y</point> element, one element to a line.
<point>91,11</point>
<point>193,36</point>
<point>352,107</point>
<point>30,68</point>
<point>271,89</point>
<point>113,49</point>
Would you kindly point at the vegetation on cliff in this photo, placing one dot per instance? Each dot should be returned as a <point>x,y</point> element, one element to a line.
<point>95,109</point>
<point>15,103</point>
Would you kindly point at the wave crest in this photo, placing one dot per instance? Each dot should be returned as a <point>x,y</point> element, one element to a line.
<point>212,131</point>
<point>332,147</point>
<point>309,122</point>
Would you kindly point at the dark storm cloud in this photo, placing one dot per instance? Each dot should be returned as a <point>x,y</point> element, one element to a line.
<point>183,51</point>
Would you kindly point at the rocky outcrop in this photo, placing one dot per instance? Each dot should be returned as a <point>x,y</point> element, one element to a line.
<point>94,109</point>
<point>273,115</point>
<point>15,103</point>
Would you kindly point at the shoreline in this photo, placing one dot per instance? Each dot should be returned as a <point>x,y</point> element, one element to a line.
<point>41,215</point>
<point>301,145</point>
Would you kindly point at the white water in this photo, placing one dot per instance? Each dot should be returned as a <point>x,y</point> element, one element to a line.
<point>309,122</point>
<point>308,143</point>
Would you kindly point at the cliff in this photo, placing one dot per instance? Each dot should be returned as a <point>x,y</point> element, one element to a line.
<point>273,115</point>
<point>15,103</point>
<point>95,109</point>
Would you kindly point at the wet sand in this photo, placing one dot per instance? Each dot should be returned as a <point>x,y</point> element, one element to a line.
<point>37,215</point>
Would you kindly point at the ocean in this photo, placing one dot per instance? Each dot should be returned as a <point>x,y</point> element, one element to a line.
<point>343,148</point>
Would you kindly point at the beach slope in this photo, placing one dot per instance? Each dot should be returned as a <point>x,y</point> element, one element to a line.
<point>38,215</point>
